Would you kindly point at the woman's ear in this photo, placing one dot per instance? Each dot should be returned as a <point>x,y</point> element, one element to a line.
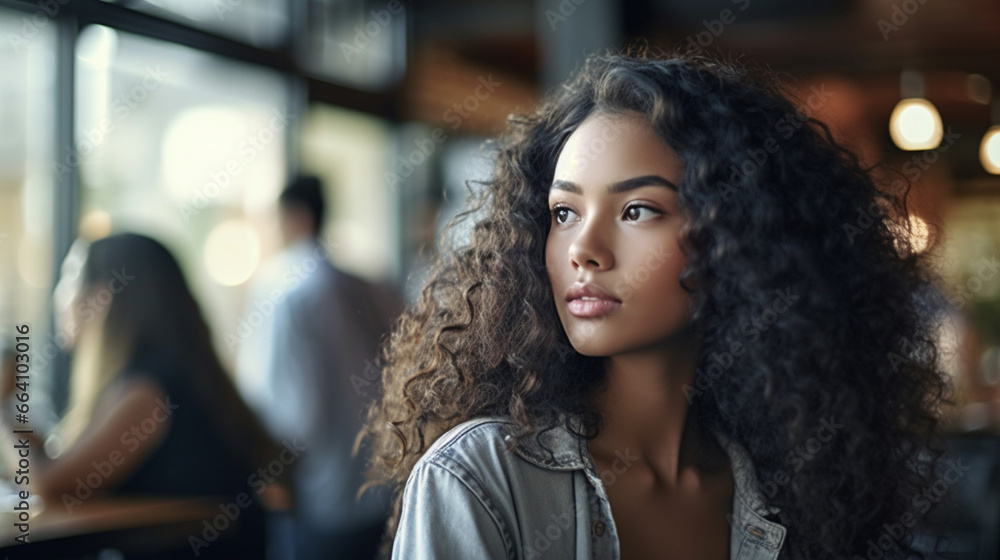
<point>689,281</point>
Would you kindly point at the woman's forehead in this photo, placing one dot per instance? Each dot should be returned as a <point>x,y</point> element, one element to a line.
<point>607,148</point>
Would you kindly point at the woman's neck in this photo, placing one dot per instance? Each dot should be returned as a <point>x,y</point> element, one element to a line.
<point>645,409</point>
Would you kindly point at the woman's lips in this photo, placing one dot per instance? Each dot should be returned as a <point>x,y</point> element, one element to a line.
<point>590,308</point>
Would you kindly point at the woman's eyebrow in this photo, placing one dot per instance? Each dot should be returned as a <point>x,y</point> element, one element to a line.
<point>620,186</point>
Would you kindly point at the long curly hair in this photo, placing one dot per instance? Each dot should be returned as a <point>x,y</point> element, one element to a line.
<point>774,206</point>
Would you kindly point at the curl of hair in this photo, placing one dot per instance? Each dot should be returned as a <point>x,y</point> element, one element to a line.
<point>806,244</point>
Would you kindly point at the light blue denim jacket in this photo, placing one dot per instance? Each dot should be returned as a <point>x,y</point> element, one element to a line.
<point>470,498</point>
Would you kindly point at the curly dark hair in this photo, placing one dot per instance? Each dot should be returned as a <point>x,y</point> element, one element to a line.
<point>773,204</point>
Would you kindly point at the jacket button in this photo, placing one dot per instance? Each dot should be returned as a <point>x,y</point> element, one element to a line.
<point>756,531</point>
<point>598,528</point>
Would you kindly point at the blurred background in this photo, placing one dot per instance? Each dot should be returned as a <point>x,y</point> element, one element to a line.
<point>183,119</point>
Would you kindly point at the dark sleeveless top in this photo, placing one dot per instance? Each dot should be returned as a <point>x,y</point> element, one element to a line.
<point>193,459</point>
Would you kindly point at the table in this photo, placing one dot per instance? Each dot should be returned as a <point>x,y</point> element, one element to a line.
<point>140,527</point>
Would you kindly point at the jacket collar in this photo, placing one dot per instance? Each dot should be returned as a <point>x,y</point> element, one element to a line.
<point>561,450</point>
<point>752,535</point>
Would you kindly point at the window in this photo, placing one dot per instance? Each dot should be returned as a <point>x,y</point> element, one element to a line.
<point>261,23</point>
<point>362,44</point>
<point>186,147</point>
<point>27,156</point>
<point>349,150</point>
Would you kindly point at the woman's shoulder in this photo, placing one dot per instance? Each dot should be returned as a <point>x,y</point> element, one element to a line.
<point>480,453</point>
<point>488,449</point>
<point>477,458</point>
<point>161,374</point>
<point>469,440</point>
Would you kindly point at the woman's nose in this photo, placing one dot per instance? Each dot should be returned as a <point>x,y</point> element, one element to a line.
<point>590,249</point>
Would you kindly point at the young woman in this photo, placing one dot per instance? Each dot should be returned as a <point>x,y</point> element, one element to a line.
<point>151,411</point>
<point>669,336</point>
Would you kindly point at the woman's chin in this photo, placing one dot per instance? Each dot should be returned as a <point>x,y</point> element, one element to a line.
<point>590,346</point>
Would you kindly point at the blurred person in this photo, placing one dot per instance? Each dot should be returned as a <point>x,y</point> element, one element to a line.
<point>977,376</point>
<point>969,522</point>
<point>307,370</point>
<point>151,411</point>
<point>665,340</point>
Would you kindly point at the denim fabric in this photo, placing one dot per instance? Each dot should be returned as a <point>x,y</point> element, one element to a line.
<point>470,498</point>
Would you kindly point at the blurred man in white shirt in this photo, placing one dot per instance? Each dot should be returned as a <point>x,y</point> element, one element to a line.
<point>318,329</point>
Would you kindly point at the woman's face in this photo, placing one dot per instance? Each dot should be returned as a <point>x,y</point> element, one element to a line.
<point>614,232</point>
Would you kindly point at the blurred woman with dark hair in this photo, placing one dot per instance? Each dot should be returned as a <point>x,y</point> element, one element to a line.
<point>151,411</point>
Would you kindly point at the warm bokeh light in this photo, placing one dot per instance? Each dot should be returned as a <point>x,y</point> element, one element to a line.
<point>95,225</point>
<point>989,150</point>
<point>919,234</point>
<point>915,125</point>
<point>196,145</point>
<point>232,252</point>
<point>219,155</point>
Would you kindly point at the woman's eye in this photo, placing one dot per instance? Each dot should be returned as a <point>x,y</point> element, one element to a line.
<point>561,214</point>
<point>634,212</point>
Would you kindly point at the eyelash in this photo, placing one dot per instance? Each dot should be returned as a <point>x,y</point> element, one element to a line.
<point>557,208</point>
